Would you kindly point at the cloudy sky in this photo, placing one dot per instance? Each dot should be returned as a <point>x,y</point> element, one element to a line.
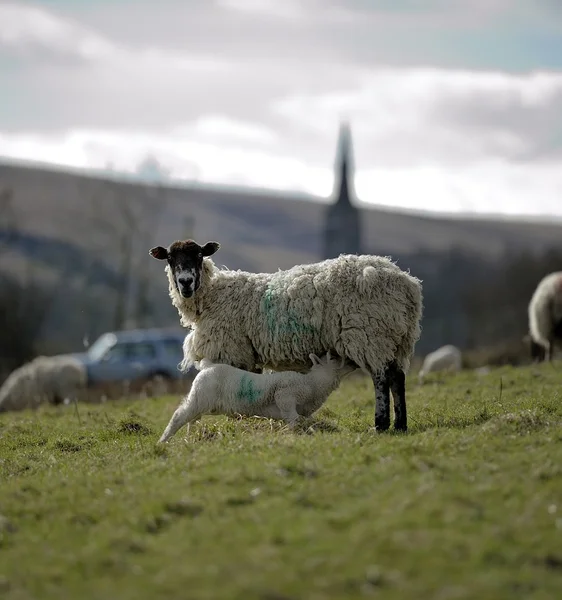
<point>455,105</point>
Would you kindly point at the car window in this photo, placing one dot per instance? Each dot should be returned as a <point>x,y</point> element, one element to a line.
<point>116,352</point>
<point>172,347</point>
<point>141,350</point>
<point>131,351</point>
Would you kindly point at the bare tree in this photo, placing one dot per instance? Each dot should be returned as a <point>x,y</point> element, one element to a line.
<point>123,224</point>
<point>26,298</point>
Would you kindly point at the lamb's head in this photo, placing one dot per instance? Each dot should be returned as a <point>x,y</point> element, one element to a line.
<point>334,366</point>
<point>185,260</point>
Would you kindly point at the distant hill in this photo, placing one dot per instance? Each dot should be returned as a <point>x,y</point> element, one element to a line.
<point>85,221</point>
<point>258,230</point>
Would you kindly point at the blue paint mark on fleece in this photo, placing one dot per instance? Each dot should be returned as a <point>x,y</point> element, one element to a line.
<point>247,391</point>
<point>281,322</point>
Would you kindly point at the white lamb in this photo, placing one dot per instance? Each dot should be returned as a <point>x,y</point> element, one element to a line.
<point>44,379</point>
<point>222,389</point>
<point>364,308</point>
<point>545,316</point>
<point>446,358</point>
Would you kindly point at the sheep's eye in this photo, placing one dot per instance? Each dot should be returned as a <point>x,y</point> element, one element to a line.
<point>200,255</point>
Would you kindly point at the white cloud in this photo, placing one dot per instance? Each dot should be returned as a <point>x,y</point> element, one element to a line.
<point>290,9</point>
<point>251,92</point>
<point>22,26</point>
<point>435,116</point>
<point>223,129</point>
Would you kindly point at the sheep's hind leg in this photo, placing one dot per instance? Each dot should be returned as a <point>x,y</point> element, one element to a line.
<point>382,401</point>
<point>397,382</point>
<point>287,405</point>
<point>185,413</point>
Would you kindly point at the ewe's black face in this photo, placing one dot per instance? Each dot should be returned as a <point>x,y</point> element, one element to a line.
<point>186,261</point>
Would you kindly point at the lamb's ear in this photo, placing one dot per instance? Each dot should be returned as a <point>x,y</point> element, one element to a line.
<point>210,248</point>
<point>159,253</point>
<point>315,360</point>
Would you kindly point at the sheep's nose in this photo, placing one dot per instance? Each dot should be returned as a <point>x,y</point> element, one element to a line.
<point>186,285</point>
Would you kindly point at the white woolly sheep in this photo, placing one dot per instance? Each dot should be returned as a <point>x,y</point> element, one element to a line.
<point>364,308</point>
<point>446,358</point>
<point>223,389</point>
<point>45,379</point>
<point>545,317</point>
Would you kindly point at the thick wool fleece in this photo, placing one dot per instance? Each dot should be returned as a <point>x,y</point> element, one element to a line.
<point>545,308</point>
<point>365,308</point>
<point>44,379</point>
<point>223,389</point>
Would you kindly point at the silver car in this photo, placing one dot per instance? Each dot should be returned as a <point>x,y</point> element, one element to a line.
<point>132,355</point>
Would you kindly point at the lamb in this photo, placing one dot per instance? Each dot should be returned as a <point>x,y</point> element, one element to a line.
<point>446,358</point>
<point>545,317</point>
<point>44,379</point>
<point>363,308</point>
<point>223,389</point>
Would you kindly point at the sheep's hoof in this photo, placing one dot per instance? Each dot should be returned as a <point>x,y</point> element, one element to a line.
<point>401,427</point>
<point>381,426</point>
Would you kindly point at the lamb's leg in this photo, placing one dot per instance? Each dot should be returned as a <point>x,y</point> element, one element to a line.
<point>287,404</point>
<point>397,382</point>
<point>187,412</point>
<point>270,411</point>
<point>382,401</point>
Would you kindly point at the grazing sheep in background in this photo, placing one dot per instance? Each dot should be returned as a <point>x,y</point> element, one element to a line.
<point>446,358</point>
<point>545,317</point>
<point>45,379</point>
<point>222,389</point>
<point>365,308</point>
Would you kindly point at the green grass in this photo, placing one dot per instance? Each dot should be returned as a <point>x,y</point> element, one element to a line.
<point>467,504</point>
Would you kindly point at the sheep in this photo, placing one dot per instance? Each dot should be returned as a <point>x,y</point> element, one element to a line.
<point>45,379</point>
<point>364,308</point>
<point>446,358</point>
<point>223,389</point>
<point>545,317</point>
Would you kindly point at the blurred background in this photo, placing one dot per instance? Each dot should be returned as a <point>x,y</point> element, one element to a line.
<point>289,131</point>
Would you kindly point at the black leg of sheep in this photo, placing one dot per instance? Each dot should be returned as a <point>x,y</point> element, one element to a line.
<point>392,379</point>
<point>397,381</point>
<point>382,401</point>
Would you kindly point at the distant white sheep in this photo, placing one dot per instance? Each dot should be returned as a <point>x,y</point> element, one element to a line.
<point>288,395</point>
<point>545,317</point>
<point>446,358</point>
<point>45,379</point>
<point>364,308</point>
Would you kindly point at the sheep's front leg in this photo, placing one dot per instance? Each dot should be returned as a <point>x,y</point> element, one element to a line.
<point>397,382</point>
<point>187,412</point>
<point>382,401</point>
<point>287,405</point>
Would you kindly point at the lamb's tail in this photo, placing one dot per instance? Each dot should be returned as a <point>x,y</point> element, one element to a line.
<point>367,279</point>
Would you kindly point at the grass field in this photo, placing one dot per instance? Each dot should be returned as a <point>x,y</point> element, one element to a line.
<point>467,504</point>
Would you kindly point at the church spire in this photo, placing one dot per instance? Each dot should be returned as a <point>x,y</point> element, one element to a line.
<point>344,166</point>
<point>342,233</point>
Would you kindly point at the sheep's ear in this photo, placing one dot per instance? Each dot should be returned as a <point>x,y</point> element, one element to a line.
<point>159,253</point>
<point>210,248</point>
<point>315,360</point>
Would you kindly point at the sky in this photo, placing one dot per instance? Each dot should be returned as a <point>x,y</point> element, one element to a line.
<point>454,105</point>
